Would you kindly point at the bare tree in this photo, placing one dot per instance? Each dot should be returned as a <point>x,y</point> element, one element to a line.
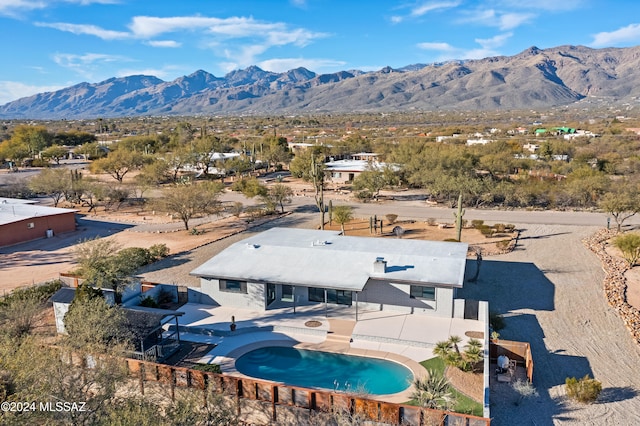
<point>192,199</point>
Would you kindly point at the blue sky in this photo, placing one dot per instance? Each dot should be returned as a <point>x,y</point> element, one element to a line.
<point>51,44</point>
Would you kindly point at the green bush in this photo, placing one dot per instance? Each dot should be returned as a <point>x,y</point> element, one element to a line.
<point>148,302</point>
<point>496,321</point>
<point>585,390</point>
<point>476,223</point>
<point>39,292</point>
<point>503,244</point>
<point>133,258</point>
<point>486,230</point>
<point>158,251</point>
<point>209,368</point>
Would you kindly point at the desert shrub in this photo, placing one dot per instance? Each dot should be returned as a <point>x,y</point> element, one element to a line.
<point>391,218</point>
<point>503,244</point>
<point>486,230</point>
<point>148,302</point>
<point>476,223</point>
<point>524,389</point>
<point>364,195</point>
<point>496,321</point>
<point>585,390</point>
<point>509,227</point>
<point>158,251</point>
<point>236,209</point>
<point>209,368</point>
<point>432,221</point>
<point>133,257</point>
<point>499,227</point>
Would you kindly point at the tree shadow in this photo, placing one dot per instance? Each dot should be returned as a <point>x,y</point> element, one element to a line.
<point>617,394</point>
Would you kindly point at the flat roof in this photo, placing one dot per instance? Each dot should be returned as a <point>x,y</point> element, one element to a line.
<point>326,259</point>
<point>13,210</point>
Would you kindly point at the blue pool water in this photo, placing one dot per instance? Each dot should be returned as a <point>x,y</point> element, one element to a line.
<point>313,369</point>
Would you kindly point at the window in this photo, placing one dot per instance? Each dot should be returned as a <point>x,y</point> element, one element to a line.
<point>287,293</point>
<point>419,292</point>
<point>233,286</point>
<point>316,294</point>
<point>339,297</point>
<point>31,225</point>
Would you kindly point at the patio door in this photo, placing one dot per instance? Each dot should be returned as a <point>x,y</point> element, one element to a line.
<point>271,293</point>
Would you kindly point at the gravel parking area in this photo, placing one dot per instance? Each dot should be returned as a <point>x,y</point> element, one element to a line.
<point>550,291</point>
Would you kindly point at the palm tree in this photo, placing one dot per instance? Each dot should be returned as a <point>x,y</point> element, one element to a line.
<point>442,349</point>
<point>433,391</point>
<point>453,341</point>
<point>342,215</point>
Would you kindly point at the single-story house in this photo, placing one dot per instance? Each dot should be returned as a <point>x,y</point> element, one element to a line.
<point>286,267</point>
<point>345,171</point>
<point>22,221</point>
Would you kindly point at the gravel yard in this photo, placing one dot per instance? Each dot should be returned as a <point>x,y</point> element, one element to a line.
<point>550,291</point>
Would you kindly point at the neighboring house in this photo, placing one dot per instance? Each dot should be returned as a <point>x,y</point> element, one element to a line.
<point>285,267</point>
<point>22,221</point>
<point>345,171</point>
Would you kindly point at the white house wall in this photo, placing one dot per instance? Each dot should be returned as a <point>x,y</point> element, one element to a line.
<point>254,298</point>
<point>380,295</point>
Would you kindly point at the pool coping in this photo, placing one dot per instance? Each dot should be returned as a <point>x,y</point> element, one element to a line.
<point>227,362</point>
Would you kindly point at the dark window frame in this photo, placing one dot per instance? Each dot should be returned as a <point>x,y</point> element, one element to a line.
<point>236,286</point>
<point>418,292</point>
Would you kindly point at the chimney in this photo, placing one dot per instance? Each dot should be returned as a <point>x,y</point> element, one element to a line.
<point>380,265</point>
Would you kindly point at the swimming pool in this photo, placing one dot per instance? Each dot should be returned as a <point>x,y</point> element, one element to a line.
<point>332,371</point>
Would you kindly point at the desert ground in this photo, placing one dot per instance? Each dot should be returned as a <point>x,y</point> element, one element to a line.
<point>549,288</point>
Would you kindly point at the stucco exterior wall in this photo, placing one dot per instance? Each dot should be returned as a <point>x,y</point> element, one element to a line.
<point>387,296</point>
<point>254,298</point>
<point>36,227</point>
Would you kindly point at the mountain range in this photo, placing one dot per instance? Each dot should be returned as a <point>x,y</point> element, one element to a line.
<point>535,78</point>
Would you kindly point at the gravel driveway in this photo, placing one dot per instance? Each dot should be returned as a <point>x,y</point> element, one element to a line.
<point>550,292</point>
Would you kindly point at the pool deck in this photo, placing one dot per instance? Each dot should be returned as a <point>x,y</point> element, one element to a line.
<point>404,338</point>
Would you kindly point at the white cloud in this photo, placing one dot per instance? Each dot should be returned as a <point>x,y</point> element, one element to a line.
<point>427,7</point>
<point>163,73</point>
<point>493,42</point>
<point>422,8</point>
<point>87,65</point>
<point>14,7</point>
<point>449,52</point>
<point>628,34</point>
<point>491,18</point>
<point>164,43</point>
<point>299,3</point>
<point>86,29</point>
<point>443,47</point>
<point>286,64</point>
<point>12,90</point>
<point>547,5</point>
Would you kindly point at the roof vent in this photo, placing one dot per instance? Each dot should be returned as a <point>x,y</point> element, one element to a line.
<point>252,246</point>
<point>380,265</point>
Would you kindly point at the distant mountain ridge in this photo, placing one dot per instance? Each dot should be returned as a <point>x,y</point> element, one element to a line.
<point>534,78</point>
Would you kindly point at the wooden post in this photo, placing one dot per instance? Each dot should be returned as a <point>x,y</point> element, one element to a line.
<point>274,399</point>
<point>141,372</point>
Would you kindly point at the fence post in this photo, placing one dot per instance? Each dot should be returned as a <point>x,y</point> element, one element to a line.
<point>274,400</point>
<point>141,372</point>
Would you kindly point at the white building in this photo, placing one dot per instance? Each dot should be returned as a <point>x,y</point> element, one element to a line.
<point>285,267</point>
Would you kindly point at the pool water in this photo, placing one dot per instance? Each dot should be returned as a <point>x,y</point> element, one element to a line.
<point>332,371</point>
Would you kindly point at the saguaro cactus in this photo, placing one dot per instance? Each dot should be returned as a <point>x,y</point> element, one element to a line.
<point>458,215</point>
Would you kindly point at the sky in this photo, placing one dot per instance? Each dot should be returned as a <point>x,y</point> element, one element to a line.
<point>52,44</point>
